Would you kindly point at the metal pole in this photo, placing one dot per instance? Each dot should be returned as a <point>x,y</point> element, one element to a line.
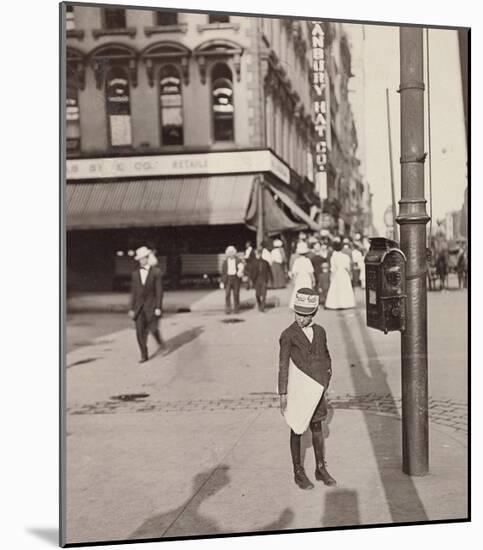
<point>260,212</point>
<point>393,192</point>
<point>413,219</point>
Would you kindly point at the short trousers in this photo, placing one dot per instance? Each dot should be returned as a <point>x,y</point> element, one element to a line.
<point>321,411</point>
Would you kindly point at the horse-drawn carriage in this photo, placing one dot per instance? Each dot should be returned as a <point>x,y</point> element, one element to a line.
<point>447,258</point>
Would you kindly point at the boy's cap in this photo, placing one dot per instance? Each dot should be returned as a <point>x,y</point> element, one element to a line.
<point>306,301</point>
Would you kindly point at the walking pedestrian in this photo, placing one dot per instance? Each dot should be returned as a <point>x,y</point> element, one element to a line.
<point>462,266</point>
<point>304,374</point>
<point>302,272</point>
<point>341,294</point>
<point>317,261</point>
<point>279,262</point>
<point>442,267</point>
<point>357,265</point>
<point>146,301</point>
<point>262,276</point>
<point>231,276</point>
<point>324,284</point>
<point>346,248</point>
<point>266,253</point>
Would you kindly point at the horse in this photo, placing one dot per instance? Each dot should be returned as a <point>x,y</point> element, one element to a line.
<point>442,262</point>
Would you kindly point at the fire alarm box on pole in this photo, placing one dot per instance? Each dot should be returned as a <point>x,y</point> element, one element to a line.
<point>385,286</point>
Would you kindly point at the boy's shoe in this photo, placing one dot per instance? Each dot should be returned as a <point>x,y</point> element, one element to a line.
<point>301,479</point>
<point>321,474</point>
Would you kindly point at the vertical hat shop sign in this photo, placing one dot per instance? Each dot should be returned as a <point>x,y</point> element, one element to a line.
<point>319,106</point>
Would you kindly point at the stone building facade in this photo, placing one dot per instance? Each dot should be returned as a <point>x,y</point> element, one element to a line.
<point>179,128</point>
<point>347,196</point>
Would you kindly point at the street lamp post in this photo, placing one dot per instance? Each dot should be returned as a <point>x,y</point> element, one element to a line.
<point>412,220</point>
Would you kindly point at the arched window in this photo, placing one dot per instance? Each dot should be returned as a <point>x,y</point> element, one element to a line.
<point>222,103</point>
<point>171,106</point>
<point>72,115</point>
<point>118,105</point>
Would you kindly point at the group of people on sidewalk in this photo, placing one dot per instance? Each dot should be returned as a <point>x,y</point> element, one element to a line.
<point>235,270</point>
<point>331,266</point>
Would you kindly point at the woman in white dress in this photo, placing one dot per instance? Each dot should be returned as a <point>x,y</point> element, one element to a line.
<point>302,272</point>
<point>341,294</point>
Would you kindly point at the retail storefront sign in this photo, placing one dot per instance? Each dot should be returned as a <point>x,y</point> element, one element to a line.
<point>176,165</point>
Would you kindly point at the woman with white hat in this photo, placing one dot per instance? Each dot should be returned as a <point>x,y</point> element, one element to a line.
<point>302,272</point>
<point>341,294</point>
<point>278,265</point>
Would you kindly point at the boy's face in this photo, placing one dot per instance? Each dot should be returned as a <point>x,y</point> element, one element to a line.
<point>303,320</point>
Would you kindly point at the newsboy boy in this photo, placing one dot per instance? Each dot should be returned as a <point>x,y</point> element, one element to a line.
<point>304,374</point>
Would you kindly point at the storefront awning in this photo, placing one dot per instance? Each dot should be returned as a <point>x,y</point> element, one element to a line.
<point>274,219</point>
<point>296,210</point>
<point>202,200</point>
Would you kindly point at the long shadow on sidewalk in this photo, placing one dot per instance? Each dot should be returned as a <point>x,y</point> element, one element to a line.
<point>188,518</point>
<point>180,340</point>
<point>401,495</point>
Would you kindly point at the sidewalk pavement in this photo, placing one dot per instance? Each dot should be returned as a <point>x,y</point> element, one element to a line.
<point>192,442</point>
<point>174,301</point>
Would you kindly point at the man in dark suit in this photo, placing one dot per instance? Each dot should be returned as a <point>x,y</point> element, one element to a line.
<point>261,276</point>
<point>231,276</point>
<point>146,301</point>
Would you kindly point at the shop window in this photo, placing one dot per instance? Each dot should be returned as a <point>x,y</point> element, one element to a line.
<point>118,106</point>
<point>72,114</point>
<point>222,103</point>
<point>114,18</point>
<point>166,18</point>
<point>218,18</point>
<point>69,18</point>
<point>171,106</point>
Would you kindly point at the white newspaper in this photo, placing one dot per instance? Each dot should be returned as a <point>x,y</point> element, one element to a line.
<point>303,395</point>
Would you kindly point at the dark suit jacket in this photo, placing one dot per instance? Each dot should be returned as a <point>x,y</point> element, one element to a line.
<point>224,269</point>
<point>311,358</point>
<point>261,271</point>
<point>148,296</point>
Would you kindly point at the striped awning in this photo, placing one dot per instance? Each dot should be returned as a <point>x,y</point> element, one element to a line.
<point>201,200</point>
<point>295,208</point>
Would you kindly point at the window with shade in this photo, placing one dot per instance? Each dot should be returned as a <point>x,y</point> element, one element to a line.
<point>166,18</point>
<point>114,18</point>
<point>171,106</point>
<point>118,106</point>
<point>72,114</point>
<point>218,18</point>
<point>222,103</point>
